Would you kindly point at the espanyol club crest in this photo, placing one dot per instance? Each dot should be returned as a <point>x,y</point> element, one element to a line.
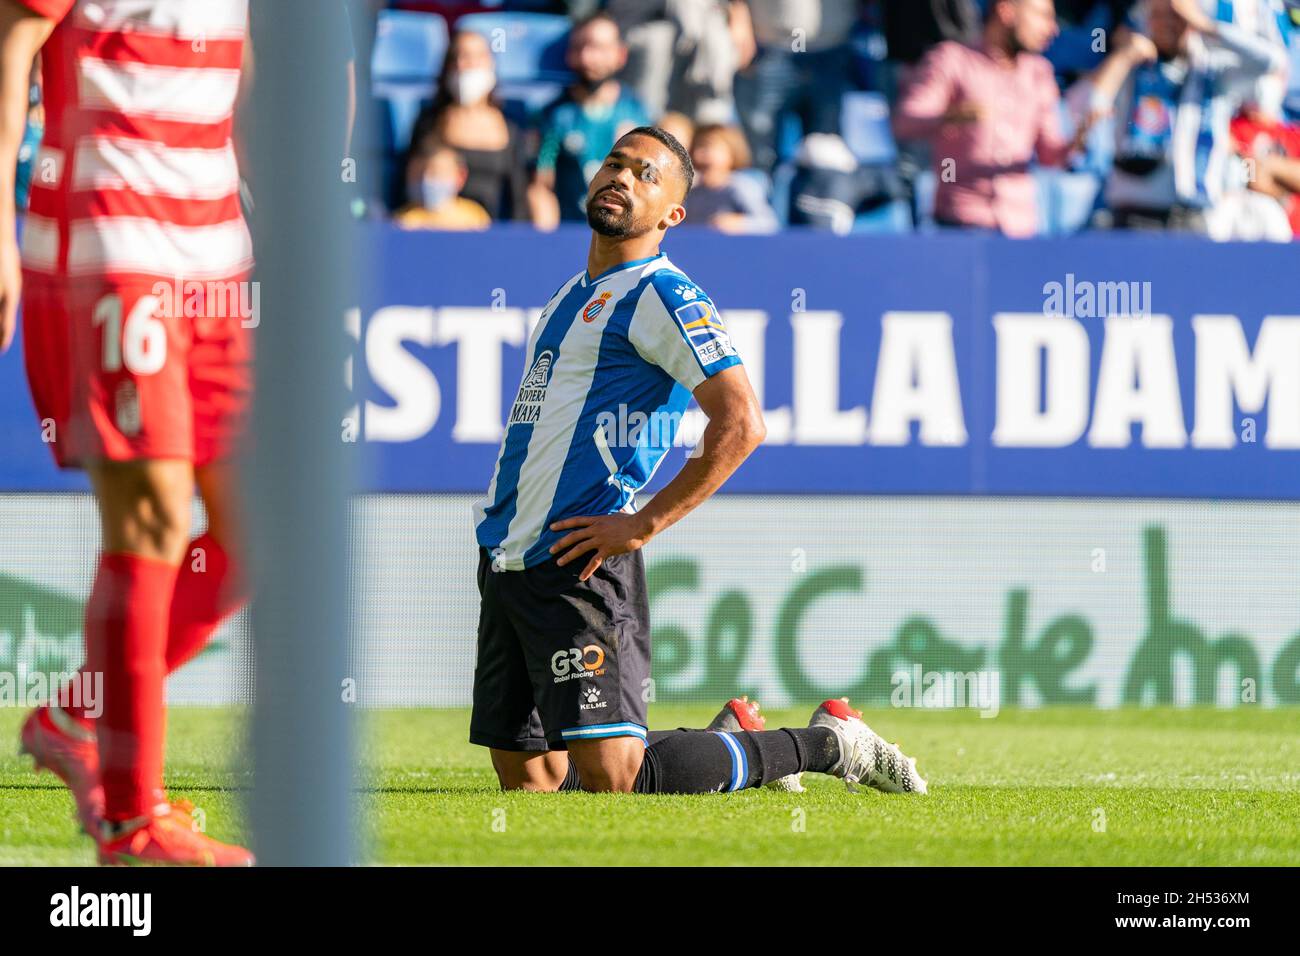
<point>596,306</point>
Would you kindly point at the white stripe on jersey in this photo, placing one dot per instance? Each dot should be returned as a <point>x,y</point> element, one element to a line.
<point>113,244</point>
<point>40,243</point>
<point>181,94</point>
<point>552,436</point>
<point>654,332</point>
<point>152,169</point>
<point>529,358</point>
<point>187,19</point>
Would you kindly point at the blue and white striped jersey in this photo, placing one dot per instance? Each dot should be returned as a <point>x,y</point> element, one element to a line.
<point>610,368</point>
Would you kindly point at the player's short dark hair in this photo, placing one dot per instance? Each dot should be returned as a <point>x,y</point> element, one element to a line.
<point>678,150</point>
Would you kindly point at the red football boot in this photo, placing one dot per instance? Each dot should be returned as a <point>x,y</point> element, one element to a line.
<point>165,838</point>
<point>57,743</point>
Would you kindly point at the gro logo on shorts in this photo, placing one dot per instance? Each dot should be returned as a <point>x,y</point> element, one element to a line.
<point>586,662</point>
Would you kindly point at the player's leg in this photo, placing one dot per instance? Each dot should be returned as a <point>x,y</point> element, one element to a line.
<point>113,766</point>
<point>211,584</point>
<point>553,770</point>
<point>835,742</point>
<point>134,428</point>
<point>54,740</point>
<point>504,716</point>
<point>535,772</point>
<point>588,651</point>
<point>144,511</point>
<point>691,761</point>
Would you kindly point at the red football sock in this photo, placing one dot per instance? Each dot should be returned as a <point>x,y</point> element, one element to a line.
<point>209,587</point>
<point>126,641</point>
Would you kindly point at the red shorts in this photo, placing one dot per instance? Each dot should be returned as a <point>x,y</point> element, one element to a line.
<point>122,368</point>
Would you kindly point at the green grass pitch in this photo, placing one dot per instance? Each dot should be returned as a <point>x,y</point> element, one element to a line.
<point>1048,787</point>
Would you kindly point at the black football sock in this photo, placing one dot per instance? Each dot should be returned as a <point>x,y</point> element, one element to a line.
<point>694,762</point>
<point>654,736</point>
<point>571,781</point>
<point>819,748</point>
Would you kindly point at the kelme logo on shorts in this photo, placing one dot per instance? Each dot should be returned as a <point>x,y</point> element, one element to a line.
<point>588,661</point>
<point>528,403</point>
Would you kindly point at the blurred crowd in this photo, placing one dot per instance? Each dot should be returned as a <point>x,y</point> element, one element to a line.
<point>1018,117</point>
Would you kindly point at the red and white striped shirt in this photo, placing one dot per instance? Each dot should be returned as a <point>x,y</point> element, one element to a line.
<point>137,172</point>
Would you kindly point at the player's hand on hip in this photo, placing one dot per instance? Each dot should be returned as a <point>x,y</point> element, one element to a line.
<point>606,535</point>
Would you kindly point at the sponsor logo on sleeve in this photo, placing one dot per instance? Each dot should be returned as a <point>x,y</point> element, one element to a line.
<point>703,328</point>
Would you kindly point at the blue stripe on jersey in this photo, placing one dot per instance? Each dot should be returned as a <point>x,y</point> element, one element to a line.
<point>583,459</point>
<point>497,517</point>
<point>648,453</point>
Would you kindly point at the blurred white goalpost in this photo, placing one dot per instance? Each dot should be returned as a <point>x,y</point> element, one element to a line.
<point>298,480</point>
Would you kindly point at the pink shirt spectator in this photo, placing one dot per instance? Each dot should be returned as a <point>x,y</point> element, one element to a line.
<point>983,165</point>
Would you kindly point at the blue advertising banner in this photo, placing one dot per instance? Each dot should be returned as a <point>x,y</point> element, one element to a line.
<point>1110,365</point>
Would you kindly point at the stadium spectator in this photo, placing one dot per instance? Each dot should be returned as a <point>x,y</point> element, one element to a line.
<point>987,111</point>
<point>830,189</point>
<point>580,127</point>
<point>683,54</point>
<point>466,116</point>
<point>720,198</point>
<point>1265,201</point>
<point>801,68</point>
<point>1172,91</point>
<point>913,27</point>
<point>1269,148</point>
<point>435,179</point>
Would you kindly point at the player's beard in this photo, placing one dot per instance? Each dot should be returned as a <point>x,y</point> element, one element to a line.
<point>607,222</point>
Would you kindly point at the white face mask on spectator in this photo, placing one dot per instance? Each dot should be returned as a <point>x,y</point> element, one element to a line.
<point>434,193</point>
<point>470,86</point>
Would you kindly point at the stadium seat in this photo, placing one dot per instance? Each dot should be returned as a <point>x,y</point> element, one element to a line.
<point>757,176</point>
<point>1066,200</point>
<point>1293,85</point>
<point>890,219</point>
<point>399,106</point>
<point>407,55</point>
<point>527,46</point>
<point>521,102</point>
<point>1072,52</point>
<point>782,180</point>
<point>409,47</point>
<point>923,190</point>
<point>864,124</point>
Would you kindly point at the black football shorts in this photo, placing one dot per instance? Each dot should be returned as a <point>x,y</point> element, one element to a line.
<point>561,659</point>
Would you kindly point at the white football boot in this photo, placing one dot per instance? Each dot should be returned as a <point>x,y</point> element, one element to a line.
<point>865,758</point>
